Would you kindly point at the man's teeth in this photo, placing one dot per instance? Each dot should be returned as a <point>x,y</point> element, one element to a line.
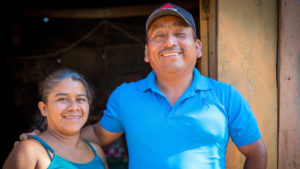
<point>170,54</point>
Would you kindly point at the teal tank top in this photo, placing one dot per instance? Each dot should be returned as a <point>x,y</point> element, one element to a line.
<point>61,163</point>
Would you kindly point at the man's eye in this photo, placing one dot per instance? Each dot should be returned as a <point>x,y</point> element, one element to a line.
<point>159,36</point>
<point>180,34</point>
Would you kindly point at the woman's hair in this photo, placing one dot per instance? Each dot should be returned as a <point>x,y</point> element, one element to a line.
<point>49,83</point>
<point>61,74</point>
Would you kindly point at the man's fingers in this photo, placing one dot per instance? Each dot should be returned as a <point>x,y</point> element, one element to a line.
<point>23,136</point>
<point>16,143</point>
<point>26,136</point>
<point>36,132</point>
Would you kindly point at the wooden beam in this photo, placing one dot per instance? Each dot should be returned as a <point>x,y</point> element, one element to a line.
<point>208,36</point>
<point>203,61</point>
<point>99,13</point>
<point>212,40</point>
<point>289,85</point>
<point>95,13</point>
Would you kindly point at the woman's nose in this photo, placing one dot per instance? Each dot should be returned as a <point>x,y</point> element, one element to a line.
<point>74,106</point>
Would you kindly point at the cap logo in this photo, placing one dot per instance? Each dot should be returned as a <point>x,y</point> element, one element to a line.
<point>167,6</point>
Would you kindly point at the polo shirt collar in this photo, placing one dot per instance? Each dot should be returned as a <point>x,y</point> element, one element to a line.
<point>199,82</point>
<point>149,83</point>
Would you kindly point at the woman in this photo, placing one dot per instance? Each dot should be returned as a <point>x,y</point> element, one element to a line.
<point>66,98</point>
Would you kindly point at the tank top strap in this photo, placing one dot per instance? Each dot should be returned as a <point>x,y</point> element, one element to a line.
<point>45,145</point>
<point>90,146</point>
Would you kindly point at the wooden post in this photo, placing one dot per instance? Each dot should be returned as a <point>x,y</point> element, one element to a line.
<point>289,85</point>
<point>208,36</point>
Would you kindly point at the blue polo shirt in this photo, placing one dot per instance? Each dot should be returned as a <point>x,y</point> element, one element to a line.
<point>192,134</point>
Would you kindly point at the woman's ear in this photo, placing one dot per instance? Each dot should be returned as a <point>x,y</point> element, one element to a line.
<point>43,108</point>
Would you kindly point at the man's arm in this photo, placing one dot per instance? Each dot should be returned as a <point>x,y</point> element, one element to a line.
<point>256,155</point>
<point>97,134</point>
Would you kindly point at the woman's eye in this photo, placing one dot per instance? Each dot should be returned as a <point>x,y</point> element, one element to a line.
<point>62,99</point>
<point>81,99</point>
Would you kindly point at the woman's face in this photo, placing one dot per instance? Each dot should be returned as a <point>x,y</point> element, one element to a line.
<point>67,108</point>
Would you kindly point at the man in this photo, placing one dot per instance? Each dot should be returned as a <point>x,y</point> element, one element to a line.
<point>176,118</point>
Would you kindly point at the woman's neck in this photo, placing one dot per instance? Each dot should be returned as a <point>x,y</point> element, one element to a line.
<point>60,138</point>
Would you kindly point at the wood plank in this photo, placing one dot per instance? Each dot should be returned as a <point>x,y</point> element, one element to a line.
<point>289,85</point>
<point>94,13</point>
<point>203,13</point>
<point>98,13</point>
<point>212,40</point>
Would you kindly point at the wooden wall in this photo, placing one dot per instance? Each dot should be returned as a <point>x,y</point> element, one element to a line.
<point>246,58</point>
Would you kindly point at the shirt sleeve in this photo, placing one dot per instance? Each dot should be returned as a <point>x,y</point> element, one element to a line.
<point>243,127</point>
<point>111,117</point>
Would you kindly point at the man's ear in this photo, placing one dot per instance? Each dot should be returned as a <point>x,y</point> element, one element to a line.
<point>199,48</point>
<point>146,59</point>
<point>43,108</point>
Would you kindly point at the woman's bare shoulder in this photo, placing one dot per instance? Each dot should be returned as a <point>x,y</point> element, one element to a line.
<point>100,153</point>
<point>26,153</point>
<point>28,147</point>
<point>98,149</point>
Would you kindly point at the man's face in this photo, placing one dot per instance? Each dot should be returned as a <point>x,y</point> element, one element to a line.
<point>171,45</point>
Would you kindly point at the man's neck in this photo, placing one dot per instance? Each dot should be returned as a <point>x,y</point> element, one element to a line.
<point>174,85</point>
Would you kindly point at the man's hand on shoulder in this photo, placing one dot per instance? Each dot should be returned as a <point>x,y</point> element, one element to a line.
<point>25,136</point>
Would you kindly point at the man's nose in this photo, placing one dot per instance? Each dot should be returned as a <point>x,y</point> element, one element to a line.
<point>171,40</point>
